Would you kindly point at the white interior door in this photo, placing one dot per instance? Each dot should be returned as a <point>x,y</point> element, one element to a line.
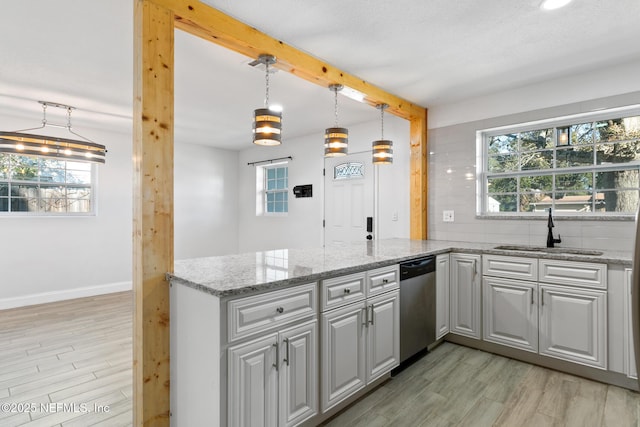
<point>349,198</point>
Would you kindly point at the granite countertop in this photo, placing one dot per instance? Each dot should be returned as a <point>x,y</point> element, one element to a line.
<point>230,275</point>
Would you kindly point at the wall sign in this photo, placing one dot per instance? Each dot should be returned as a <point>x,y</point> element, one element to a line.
<point>350,170</point>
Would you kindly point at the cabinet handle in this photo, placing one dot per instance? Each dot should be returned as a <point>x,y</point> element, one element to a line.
<point>347,291</point>
<point>372,313</point>
<point>531,296</point>
<point>385,281</point>
<point>366,316</point>
<point>280,310</point>
<point>275,365</point>
<point>286,357</point>
<point>541,296</point>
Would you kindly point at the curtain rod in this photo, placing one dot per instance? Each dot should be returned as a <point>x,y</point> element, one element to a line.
<point>269,161</point>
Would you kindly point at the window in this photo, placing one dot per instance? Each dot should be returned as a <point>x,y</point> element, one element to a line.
<point>276,189</point>
<point>45,186</point>
<point>577,167</point>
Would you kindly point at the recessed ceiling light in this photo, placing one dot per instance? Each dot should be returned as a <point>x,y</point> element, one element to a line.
<point>554,4</point>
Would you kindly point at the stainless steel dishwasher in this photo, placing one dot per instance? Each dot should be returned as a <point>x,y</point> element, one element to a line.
<point>417,306</point>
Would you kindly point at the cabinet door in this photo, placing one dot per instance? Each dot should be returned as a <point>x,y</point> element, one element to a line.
<point>573,324</point>
<point>383,334</point>
<point>253,383</point>
<point>630,361</point>
<point>442,295</point>
<point>464,293</point>
<point>343,353</point>
<point>298,374</point>
<point>510,313</point>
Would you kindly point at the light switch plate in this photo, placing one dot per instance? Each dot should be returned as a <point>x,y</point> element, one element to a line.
<point>447,216</point>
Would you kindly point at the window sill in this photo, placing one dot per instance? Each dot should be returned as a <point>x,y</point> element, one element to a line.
<point>561,217</point>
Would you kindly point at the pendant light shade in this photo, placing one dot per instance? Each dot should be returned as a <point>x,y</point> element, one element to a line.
<point>336,139</point>
<point>267,123</point>
<point>382,149</point>
<point>20,142</point>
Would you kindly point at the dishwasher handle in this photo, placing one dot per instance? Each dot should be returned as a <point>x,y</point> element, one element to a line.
<point>417,267</point>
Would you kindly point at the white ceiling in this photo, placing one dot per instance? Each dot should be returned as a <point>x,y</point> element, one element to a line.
<point>431,52</point>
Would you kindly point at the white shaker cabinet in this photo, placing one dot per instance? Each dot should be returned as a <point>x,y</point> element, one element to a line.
<point>343,353</point>
<point>464,292</point>
<point>360,340</point>
<point>383,334</point>
<point>253,383</point>
<point>511,313</point>
<point>442,295</point>
<point>573,324</point>
<point>272,380</point>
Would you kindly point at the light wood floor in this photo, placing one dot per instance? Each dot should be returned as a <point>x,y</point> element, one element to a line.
<point>458,386</point>
<point>65,353</point>
<point>80,352</point>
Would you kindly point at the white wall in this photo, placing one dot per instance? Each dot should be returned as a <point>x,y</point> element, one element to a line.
<point>302,227</point>
<point>46,259</point>
<point>454,148</point>
<point>205,201</point>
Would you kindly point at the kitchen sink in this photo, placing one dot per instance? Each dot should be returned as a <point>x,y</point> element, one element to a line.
<point>543,249</point>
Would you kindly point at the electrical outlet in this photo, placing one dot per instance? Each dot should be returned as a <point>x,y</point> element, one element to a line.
<point>447,216</point>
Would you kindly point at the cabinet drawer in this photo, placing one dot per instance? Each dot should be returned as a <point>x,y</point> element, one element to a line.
<point>259,312</point>
<point>510,267</point>
<point>383,279</point>
<point>342,290</point>
<point>574,273</point>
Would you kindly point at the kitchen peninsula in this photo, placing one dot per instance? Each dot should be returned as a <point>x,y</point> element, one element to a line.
<point>255,336</point>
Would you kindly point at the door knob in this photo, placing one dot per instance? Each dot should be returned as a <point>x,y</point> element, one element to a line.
<point>369,237</point>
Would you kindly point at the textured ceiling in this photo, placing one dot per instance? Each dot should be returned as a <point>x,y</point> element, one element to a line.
<point>430,52</point>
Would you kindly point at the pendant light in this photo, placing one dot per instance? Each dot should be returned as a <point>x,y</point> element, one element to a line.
<point>382,148</point>
<point>20,142</point>
<point>267,124</point>
<point>336,139</point>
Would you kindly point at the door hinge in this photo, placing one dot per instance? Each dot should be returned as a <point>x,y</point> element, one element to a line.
<point>323,171</point>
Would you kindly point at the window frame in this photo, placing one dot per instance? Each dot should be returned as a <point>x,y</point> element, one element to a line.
<point>265,191</point>
<point>483,175</point>
<point>92,187</point>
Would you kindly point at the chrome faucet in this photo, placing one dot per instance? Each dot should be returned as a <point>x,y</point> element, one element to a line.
<point>550,240</point>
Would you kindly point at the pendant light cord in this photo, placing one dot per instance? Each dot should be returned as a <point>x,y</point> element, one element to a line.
<point>266,77</point>
<point>382,122</point>
<point>335,107</point>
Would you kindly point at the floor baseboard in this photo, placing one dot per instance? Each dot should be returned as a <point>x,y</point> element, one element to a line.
<point>67,294</point>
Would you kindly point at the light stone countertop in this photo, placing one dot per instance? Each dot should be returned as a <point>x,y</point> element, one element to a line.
<point>230,275</point>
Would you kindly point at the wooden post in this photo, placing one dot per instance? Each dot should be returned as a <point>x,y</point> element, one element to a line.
<point>419,167</point>
<point>152,209</point>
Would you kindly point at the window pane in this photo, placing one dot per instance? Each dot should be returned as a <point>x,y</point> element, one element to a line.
<point>618,179</point>
<point>625,201</point>
<point>24,168</point>
<point>280,184</point>
<point>574,181</point>
<point>78,177</point>
<point>574,157</point>
<point>271,173</point>
<point>280,173</point>
<point>503,163</point>
<point>535,202</point>
<point>503,185</point>
<point>621,152</point>
<point>541,183</point>
<point>582,134</point>
<point>536,139</point>
<point>503,144</point>
<point>502,203</point>
<point>618,129</point>
<point>573,201</point>
<point>537,160</point>
<point>4,204</point>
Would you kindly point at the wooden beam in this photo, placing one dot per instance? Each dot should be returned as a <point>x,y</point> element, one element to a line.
<point>152,209</point>
<point>204,21</point>
<point>419,165</point>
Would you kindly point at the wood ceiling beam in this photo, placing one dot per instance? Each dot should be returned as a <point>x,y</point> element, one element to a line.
<point>210,24</point>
